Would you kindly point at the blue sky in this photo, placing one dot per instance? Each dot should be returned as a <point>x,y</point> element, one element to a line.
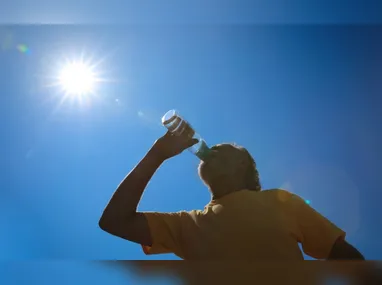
<point>303,99</point>
<point>196,11</point>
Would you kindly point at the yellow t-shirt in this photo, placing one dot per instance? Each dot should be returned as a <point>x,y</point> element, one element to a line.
<point>245,225</point>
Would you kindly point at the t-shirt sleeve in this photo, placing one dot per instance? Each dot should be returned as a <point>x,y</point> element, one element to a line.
<point>166,232</point>
<point>317,233</point>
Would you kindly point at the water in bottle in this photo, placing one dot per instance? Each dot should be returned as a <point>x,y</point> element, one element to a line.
<point>179,126</point>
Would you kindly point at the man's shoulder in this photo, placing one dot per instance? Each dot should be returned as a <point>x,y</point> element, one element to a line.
<point>280,194</point>
<point>190,213</point>
<point>276,191</point>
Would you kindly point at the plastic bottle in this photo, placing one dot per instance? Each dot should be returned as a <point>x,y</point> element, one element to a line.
<point>179,126</point>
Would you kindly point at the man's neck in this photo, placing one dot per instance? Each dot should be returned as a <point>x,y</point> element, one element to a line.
<point>218,193</point>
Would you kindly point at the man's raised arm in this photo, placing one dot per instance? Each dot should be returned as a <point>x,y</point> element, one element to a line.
<point>120,217</point>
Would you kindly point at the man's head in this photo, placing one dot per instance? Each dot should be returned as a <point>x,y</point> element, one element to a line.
<point>229,168</point>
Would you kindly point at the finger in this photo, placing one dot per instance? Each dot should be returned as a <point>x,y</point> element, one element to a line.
<point>193,142</point>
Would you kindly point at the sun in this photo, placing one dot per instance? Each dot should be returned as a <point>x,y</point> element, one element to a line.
<point>77,78</point>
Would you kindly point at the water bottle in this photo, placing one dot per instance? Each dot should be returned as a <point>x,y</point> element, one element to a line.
<point>179,126</point>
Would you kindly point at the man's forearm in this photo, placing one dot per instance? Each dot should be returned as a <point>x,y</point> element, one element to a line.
<point>124,201</point>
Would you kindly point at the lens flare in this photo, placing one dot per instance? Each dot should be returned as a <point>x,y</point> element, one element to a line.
<point>22,48</point>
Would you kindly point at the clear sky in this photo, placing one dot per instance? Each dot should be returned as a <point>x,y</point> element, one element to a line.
<point>305,100</point>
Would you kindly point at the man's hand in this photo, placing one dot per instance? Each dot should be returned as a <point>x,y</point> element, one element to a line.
<point>171,145</point>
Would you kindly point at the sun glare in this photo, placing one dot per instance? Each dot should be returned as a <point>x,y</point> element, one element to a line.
<point>77,78</point>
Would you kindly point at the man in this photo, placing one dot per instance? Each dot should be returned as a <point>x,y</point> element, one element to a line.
<point>240,222</point>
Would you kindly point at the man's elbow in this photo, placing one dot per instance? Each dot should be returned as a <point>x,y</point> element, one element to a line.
<point>112,224</point>
<point>108,222</point>
<point>342,250</point>
<point>105,224</point>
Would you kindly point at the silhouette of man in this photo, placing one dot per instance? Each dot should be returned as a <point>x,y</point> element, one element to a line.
<point>241,222</point>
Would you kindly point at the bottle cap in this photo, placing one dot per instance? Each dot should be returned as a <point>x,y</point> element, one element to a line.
<point>169,117</point>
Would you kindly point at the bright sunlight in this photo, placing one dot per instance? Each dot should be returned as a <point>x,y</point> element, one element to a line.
<point>77,78</point>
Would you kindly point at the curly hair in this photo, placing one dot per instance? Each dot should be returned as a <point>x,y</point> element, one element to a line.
<point>252,175</point>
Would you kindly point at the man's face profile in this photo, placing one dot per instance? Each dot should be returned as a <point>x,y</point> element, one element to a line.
<point>225,161</point>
